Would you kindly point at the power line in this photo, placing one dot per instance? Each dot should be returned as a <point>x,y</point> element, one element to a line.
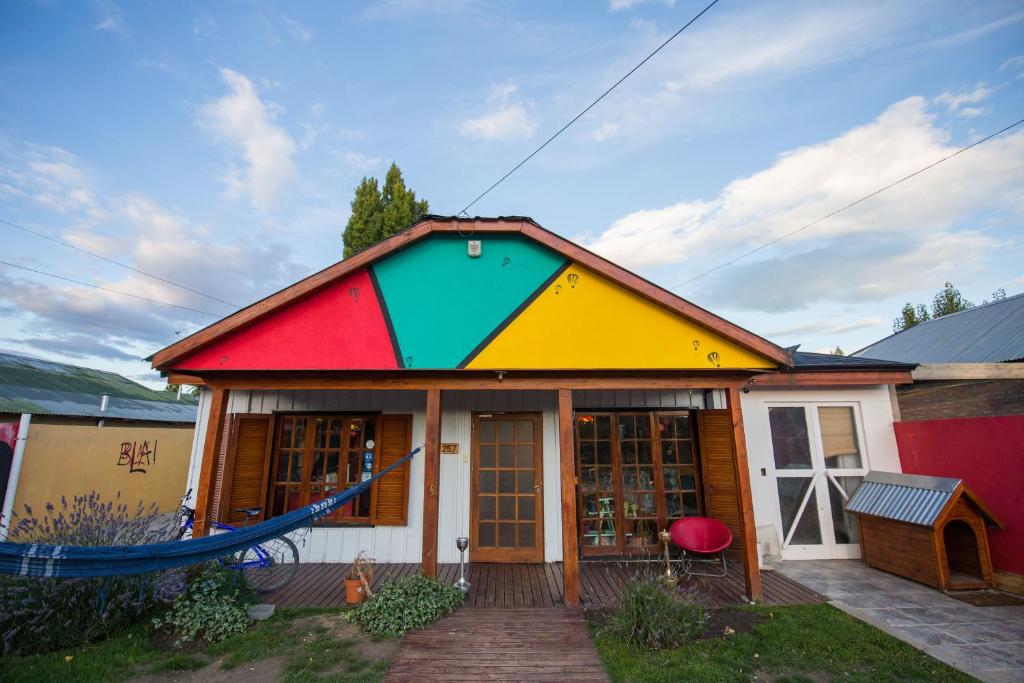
<point>588,108</point>
<point>107,289</point>
<point>110,260</point>
<point>848,206</point>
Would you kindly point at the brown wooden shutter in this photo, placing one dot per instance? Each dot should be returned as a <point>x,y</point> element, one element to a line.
<point>245,467</point>
<point>718,467</point>
<point>217,500</point>
<point>391,492</point>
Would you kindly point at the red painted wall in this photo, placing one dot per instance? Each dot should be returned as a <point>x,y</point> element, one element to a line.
<point>341,327</point>
<point>988,454</point>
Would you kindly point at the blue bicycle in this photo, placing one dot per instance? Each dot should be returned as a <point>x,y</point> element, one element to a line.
<point>267,566</point>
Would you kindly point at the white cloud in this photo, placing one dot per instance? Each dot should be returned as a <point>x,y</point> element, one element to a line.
<point>245,122</point>
<point>829,326</point>
<point>1014,64</point>
<point>361,162</point>
<point>394,9</point>
<point>809,182</point>
<point>509,119</point>
<point>752,48</point>
<point>954,102</point>
<point>73,320</point>
<point>605,131</point>
<point>204,26</point>
<point>873,267</point>
<point>301,33</point>
<point>111,18</point>
<point>618,5</point>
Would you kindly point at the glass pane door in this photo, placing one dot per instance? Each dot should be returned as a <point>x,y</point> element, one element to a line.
<point>507,507</point>
<point>818,463</point>
<point>598,508</point>
<point>637,474</point>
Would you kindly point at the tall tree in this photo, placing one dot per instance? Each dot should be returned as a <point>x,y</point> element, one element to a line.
<point>949,300</point>
<point>838,351</point>
<point>379,213</point>
<point>910,315</point>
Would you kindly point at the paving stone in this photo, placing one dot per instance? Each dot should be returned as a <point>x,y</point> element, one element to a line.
<point>985,642</point>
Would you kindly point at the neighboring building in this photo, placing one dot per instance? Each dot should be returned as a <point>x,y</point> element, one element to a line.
<point>569,409</point>
<point>970,364</point>
<point>963,417</point>
<point>67,431</point>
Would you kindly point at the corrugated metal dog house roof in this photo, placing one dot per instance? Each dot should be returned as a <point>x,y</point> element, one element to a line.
<point>911,498</point>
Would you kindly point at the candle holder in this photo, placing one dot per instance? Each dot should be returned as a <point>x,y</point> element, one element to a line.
<point>669,577</point>
<point>462,543</point>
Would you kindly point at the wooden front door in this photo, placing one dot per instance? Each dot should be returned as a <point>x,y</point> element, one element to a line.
<point>507,521</point>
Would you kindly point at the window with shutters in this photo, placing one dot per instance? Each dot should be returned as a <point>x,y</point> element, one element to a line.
<point>315,456</point>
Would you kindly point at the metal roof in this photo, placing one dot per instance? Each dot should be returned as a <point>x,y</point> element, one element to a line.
<point>990,333</point>
<point>805,360</point>
<point>39,387</point>
<point>912,498</point>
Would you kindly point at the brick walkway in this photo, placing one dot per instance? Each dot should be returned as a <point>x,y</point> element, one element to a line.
<point>487,644</point>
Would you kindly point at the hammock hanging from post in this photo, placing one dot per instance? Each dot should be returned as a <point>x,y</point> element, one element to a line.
<point>63,561</point>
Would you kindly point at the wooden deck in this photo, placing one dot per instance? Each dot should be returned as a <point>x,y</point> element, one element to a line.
<point>518,586</point>
<point>545,644</point>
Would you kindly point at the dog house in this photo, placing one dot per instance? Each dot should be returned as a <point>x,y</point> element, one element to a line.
<point>929,529</point>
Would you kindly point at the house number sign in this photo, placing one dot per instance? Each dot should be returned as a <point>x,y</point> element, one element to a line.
<point>449,449</point>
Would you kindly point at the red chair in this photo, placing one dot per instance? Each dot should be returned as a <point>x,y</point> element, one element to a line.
<point>703,541</point>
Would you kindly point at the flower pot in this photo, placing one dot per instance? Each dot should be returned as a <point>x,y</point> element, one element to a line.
<point>354,593</point>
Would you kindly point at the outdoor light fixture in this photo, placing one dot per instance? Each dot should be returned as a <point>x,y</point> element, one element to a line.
<point>669,576</point>
<point>462,543</point>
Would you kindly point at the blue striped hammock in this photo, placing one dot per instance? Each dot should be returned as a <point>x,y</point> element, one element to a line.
<point>63,561</point>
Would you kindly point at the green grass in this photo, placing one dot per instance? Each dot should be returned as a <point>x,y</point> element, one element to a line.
<point>308,652</point>
<point>796,643</point>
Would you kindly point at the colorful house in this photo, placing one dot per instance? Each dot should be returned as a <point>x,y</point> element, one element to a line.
<point>68,431</point>
<point>569,409</point>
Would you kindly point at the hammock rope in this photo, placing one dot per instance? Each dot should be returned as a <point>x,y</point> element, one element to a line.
<point>63,561</point>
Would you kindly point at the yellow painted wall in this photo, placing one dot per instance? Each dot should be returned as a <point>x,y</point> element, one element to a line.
<point>75,459</point>
<point>583,320</point>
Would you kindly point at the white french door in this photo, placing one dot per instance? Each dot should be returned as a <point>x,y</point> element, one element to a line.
<point>818,461</point>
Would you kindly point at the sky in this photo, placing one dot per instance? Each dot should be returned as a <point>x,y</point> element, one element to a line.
<point>217,145</point>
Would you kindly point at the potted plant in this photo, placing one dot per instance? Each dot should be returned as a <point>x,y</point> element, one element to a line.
<point>357,583</point>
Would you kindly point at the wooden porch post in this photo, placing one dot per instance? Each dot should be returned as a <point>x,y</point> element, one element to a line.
<point>431,481</point>
<point>567,449</point>
<point>211,450</point>
<point>751,568</point>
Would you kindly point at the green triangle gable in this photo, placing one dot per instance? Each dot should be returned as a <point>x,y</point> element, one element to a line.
<point>442,303</point>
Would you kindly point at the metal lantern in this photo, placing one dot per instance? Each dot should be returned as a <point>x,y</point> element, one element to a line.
<point>669,576</point>
<point>462,543</point>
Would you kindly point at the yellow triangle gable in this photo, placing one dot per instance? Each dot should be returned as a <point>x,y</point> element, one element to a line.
<point>582,320</point>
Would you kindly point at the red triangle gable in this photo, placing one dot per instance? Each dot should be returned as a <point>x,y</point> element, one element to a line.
<point>340,327</point>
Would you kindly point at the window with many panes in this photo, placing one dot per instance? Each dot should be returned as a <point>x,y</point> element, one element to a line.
<point>316,456</point>
<point>637,475</point>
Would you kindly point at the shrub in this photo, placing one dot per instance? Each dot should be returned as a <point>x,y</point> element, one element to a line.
<point>39,615</point>
<point>405,604</point>
<point>213,608</point>
<point>652,616</point>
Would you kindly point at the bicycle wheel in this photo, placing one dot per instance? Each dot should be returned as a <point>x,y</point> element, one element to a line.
<point>274,570</point>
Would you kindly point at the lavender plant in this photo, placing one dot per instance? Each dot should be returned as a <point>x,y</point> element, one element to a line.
<point>39,615</point>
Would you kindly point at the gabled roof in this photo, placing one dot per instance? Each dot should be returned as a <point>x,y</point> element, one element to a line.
<point>40,387</point>
<point>381,272</point>
<point>912,498</point>
<point>990,333</point>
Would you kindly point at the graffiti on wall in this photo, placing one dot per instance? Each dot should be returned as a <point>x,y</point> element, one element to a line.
<point>137,456</point>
